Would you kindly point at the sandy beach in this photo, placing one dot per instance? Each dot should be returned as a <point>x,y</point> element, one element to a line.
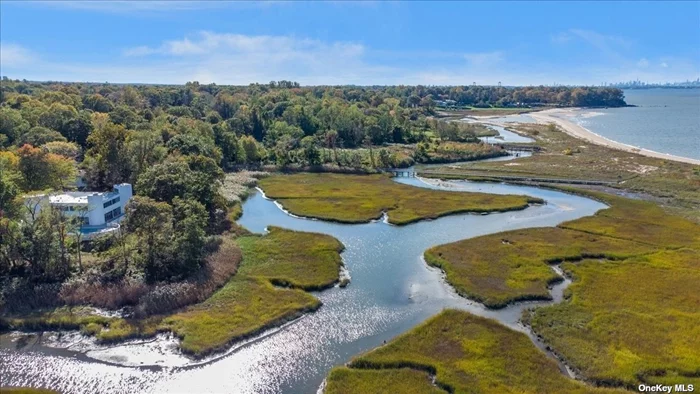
<point>558,116</point>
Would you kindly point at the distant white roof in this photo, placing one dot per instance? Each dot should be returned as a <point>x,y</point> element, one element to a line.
<point>71,198</point>
<point>78,198</point>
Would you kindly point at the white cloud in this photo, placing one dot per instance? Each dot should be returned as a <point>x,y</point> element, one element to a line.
<point>237,59</point>
<point>484,59</point>
<point>13,55</point>
<point>210,43</point>
<point>664,65</point>
<point>601,40</point>
<point>138,51</point>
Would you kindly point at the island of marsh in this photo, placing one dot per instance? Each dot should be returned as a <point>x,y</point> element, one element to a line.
<point>631,314</point>
<point>268,289</point>
<point>361,198</point>
<point>462,353</point>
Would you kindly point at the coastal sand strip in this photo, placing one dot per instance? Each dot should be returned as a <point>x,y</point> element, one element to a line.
<point>556,116</point>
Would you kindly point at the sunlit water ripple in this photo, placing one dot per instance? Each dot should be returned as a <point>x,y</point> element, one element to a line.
<point>392,290</point>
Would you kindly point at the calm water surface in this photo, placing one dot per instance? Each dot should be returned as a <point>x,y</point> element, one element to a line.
<point>392,290</point>
<point>666,121</point>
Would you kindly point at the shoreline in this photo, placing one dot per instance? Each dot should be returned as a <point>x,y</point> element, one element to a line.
<point>580,132</point>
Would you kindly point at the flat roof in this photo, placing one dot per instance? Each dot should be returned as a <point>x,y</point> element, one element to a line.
<point>79,197</point>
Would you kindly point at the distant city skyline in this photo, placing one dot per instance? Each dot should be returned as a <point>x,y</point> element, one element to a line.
<point>686,83</point>
<point>360,43</point>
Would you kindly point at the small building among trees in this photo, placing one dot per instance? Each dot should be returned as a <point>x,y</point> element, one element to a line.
<point>95,210</point>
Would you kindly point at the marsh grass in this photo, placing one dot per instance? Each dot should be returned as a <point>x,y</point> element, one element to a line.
<point>26,390</point>
<point>637,220</point>
<point>677,185</point>
<point>361,198</point>
<point>242,308</point>
<point>629,321</point>
<point>343,380</point>
<point>269,289</point>
<point>104,329</point>
<point>254,300</point>
<point>499,269</point>
<point>465,353</point>
<point>631,314</point>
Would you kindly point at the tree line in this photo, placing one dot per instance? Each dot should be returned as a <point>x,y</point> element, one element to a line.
<point>173,144</point>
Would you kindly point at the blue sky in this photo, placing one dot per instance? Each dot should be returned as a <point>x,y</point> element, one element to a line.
<point>437,43</point>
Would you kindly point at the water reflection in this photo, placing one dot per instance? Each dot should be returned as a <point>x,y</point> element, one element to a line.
<point>392,290</point>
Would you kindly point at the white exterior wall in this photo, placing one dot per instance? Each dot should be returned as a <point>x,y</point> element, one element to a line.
<point>96,211</point>
<point>90,206</point>
<point>125,193</point>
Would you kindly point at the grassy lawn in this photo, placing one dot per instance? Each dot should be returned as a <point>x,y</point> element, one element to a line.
<point>250,303</point>
<point>631,314</point>
<point>360,198</point>
<point>465,353</point>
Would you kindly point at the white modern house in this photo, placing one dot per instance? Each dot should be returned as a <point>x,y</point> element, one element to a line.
<point>97,210</point>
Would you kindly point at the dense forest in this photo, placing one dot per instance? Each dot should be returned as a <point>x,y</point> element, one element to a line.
<point>174,144</point>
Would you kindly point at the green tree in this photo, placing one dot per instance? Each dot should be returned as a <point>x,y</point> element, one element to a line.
<point>65,149</point>
<point>254,153</point>
<point>12,125</point>
<point>311,153</point>
<point>163,182</point>
<point>107,161</point>
<point>9,188</point>
<point>43,170</point>
<point>125,116</point>
<point>144,149</point>
<point>78,129</point>
<point>57,116</point>
<point>190,219</point>
<point>151,222</point>
<point>37,136</point>
<point>98,103</point>
<point>227,142</point>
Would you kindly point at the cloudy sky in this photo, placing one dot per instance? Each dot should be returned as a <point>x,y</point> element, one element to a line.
<point>516,43</point>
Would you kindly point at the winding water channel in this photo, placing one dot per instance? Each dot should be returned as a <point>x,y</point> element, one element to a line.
<point>392,290</point>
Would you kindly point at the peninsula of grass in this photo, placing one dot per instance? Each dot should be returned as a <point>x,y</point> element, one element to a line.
<point>269,289</point>
<point>462,353</point>
<point>499,269</point>
<point>629,321</point>
<point>631,315</point>
<point>254,300</point>
<point>361,198</point>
